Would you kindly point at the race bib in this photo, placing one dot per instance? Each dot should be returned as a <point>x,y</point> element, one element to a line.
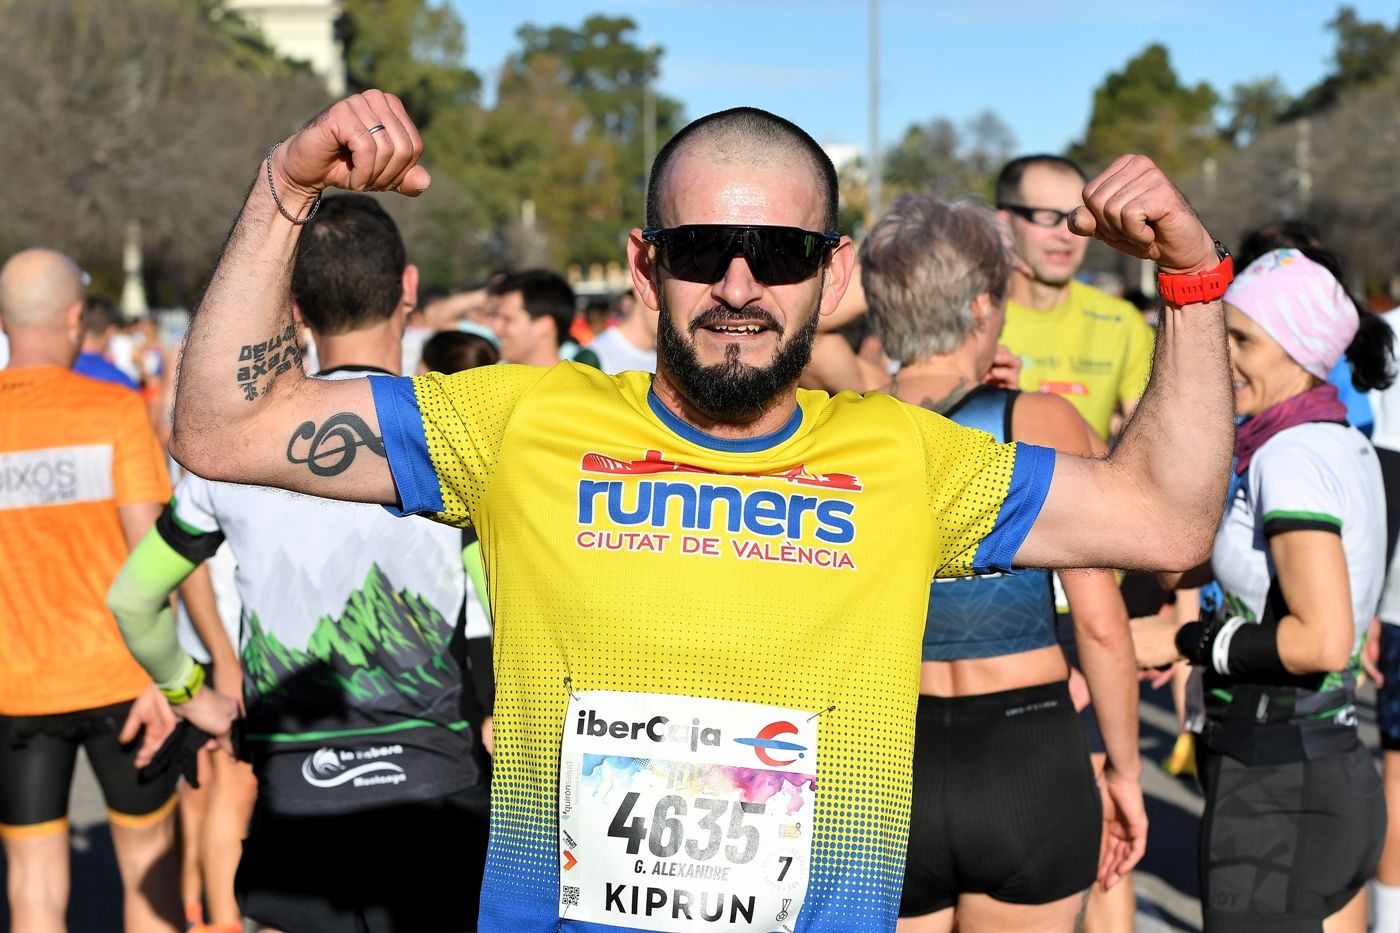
<point>678,813</point>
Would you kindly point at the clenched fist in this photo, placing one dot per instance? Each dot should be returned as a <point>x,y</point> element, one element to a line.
<point>365,142</point>
<point>1132,207</point>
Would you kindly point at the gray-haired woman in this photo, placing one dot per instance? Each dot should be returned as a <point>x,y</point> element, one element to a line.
<point>1006,820</point>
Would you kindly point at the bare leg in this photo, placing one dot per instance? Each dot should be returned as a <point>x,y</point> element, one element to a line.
<point>232,791</point>
<point>37,872</point>
<point>148,855</point>
<point>939,922</point>
<point>978,913</point>
<point>194,806</point>
<point>1350,919</point>
<point>1115,910</point>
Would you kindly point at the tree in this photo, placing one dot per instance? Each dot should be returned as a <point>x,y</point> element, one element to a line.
<point>1366,52</point>
<point>1255,106</point>
<point>939,156</point>
<point>611,77</point>
<point>145,110</point>
<point>1145,108</point>
<point>411,48</point>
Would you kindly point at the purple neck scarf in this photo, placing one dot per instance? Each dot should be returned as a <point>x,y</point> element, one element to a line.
<point>1319,403</point>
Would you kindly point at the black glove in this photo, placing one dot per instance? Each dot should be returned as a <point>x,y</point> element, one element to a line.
<point>180,751</point>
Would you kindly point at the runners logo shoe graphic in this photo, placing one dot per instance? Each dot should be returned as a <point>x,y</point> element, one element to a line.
<point>655,462</point>
<point>325,768</point>
<point>765,742</point>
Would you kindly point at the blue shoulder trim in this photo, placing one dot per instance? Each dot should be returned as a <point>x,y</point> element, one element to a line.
<point>1030,484</point>
<point>406,446</point>
<point>746,445</point>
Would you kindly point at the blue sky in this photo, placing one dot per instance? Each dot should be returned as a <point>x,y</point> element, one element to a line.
<point>1034,62</point>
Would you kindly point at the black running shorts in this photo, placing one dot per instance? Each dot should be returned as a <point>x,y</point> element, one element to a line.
<point>37,757</point>
<point>1284,846</point>
<point>412,868</point>
<point>1004,802</point>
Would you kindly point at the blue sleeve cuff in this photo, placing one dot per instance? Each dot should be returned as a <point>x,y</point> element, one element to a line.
<point>406,446</point>
<point>1030,484</point>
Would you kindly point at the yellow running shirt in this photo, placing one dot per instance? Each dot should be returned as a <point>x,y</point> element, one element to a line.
<point>707,650</point>
<point>1095,350</point>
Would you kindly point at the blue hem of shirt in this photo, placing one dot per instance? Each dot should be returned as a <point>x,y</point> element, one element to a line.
<point>406,446</point>
<point>1025,495</point>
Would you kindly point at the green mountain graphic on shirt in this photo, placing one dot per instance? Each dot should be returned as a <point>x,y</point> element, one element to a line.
<point>384,657</point>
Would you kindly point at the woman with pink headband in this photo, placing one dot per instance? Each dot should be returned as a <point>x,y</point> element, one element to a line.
<point>1294,812</point>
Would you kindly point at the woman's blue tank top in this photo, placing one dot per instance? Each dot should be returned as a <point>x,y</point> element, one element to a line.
<point>997,614</point>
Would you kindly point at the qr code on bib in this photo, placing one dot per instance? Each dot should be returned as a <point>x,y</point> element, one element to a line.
<point>570,896</point>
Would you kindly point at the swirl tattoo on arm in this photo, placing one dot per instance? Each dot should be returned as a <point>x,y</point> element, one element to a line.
<point>333,446</point>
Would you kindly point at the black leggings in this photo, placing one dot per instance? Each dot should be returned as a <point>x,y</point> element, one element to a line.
<point>1004,803</point>
<point>38,754</point>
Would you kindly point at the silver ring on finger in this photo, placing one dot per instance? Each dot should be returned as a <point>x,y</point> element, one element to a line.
<point>376,128</point>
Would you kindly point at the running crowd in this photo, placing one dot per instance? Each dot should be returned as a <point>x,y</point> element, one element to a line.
<point>640,586</point>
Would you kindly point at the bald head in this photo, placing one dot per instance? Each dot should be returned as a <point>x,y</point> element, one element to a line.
<point>744,136</point>
<point>38,288</point>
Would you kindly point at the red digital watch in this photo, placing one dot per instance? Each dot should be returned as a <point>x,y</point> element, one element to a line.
<point>1198,287</point>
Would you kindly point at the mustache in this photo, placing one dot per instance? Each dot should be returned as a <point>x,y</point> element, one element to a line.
<point>723,314</point>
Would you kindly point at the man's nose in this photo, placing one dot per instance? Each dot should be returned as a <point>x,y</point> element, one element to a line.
<point>738,288</point>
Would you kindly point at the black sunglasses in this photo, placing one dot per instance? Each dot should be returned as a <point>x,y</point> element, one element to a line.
<point>1040,216</point>
<point>776,255</point>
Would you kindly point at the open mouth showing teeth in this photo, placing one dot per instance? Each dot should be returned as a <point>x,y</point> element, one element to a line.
<point>735,328</point>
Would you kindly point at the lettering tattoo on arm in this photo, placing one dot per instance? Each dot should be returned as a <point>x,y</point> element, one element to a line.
<point>334,444</point>
<point>261,363</point>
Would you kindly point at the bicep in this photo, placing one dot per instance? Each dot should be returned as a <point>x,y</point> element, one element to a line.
<point>320,437</point>
<point>1097,514</point>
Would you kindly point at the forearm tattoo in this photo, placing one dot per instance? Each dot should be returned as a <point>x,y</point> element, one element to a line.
<point>334,444</point>
<point>263,362</point>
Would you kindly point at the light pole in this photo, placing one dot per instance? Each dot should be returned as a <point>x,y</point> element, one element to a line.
<point>874,183</point>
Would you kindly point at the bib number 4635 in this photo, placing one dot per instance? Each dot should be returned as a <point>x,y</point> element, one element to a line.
<point>668,833</point>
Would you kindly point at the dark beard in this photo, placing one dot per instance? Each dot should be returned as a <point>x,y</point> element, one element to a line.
<point>731,391</point>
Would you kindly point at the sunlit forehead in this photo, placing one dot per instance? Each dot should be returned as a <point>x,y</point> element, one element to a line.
<point>702,190</point>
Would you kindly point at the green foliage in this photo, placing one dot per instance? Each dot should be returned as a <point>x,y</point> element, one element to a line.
<point>552,174</point>
<point>1145,109</point>
<point>572,105</point>
<point>943,158</point>
<point>411,48</point>
<point>1255,106</point>
<point>1366,52</point>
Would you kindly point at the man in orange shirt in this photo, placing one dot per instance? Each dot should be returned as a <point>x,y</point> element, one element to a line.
<point>82,478</point>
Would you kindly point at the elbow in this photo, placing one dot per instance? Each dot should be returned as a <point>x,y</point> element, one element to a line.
<point>203,459</point>
<point>1182,553</point>
<point>1106,631</point>
<point>1333,655</point>
<point>1327,649</point>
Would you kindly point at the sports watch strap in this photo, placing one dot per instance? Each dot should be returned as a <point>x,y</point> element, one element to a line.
<point>1198,287</point>
<point>186,691</point>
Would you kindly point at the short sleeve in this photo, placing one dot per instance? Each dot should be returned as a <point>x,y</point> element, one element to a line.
<point>139,472</point>
<point>1137,362</point>
<point>443,435</point>
<point>983,496</point>
<point>1295,488</point>
<point>188,523</point>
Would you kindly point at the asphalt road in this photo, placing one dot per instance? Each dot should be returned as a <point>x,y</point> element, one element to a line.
<point>1165,881</point>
